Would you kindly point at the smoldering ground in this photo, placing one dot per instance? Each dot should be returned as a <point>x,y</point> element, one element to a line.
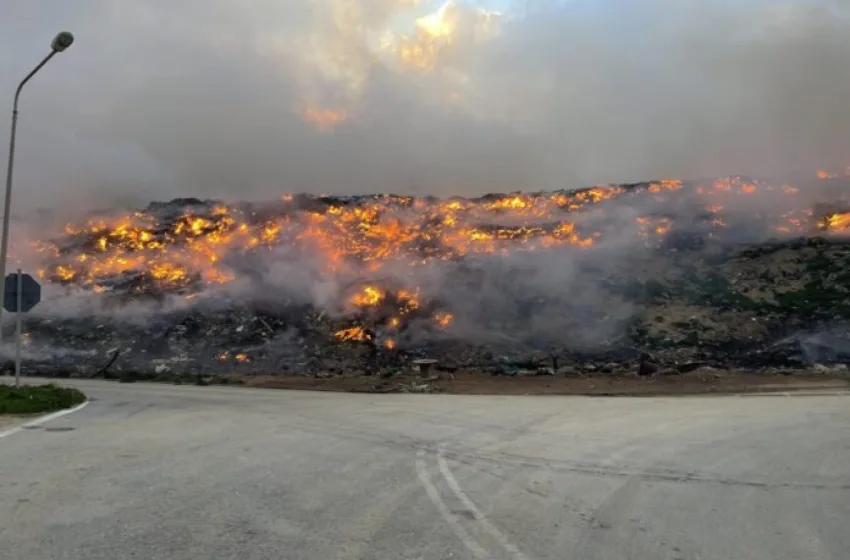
<point>246,103</point>
<point>501,264</point>
<point>309,284</point>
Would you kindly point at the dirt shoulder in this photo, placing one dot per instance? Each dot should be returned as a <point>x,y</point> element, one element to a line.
<point>603,385</point>
<point>11,420</point>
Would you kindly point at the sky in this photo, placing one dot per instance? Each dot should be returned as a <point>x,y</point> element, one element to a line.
<point>252,99</point>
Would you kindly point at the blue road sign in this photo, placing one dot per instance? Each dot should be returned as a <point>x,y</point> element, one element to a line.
<point>30,294</point>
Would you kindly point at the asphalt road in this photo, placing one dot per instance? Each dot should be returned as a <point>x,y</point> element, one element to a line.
<point>178,472</point>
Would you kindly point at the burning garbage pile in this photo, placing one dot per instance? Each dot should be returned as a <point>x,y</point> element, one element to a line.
<point>503,283</point>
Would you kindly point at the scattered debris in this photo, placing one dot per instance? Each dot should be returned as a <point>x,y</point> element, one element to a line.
<point>424,365</point>
<point>198,289</point>
<point>647,365</point>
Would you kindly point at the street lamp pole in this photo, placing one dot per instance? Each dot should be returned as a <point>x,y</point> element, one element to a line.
<point>61,42</point>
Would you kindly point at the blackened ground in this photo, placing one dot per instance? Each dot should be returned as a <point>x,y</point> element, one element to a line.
<point>699,298</point>
<point>695,383</point>
<point>698,382</point>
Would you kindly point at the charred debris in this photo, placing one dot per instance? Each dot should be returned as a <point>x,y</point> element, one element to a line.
<point>692,284</point>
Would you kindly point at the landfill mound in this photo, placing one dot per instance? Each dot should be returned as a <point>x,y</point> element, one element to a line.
<point>734,272</point>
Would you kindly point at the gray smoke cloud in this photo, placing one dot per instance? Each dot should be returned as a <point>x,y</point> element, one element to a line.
<point>248,100</point>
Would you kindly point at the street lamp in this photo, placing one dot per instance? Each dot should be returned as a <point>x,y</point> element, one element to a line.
<point>61,42</point>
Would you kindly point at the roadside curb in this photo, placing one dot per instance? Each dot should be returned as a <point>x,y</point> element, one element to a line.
<point>801,391</point>
<point>44,419</point>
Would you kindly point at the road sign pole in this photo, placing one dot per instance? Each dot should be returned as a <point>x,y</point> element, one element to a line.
<point>21,292</point>
<point>18,329</point>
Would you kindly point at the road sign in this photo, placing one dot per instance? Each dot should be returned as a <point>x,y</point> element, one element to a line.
<point>30,293</point>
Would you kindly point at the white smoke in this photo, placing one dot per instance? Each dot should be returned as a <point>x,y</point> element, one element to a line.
<point>159,99</point>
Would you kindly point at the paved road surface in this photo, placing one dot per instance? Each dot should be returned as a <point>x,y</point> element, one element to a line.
<point>167,472</point>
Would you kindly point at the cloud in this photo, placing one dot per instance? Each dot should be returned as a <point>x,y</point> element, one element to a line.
<point>248,100</point>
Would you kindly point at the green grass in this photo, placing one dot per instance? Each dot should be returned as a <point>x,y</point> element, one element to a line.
<point>37,398</point>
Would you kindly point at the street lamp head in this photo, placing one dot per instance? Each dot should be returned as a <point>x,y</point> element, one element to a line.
<point>62,41</point>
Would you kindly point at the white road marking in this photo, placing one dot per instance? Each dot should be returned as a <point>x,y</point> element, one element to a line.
<point>468,541</point>
<point>43,419</point>
<point>477,513</point>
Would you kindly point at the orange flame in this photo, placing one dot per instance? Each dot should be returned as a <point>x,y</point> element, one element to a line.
<point>838,222</point>
<point>443,319</point>
<point>370,296</point>
<point>354,334</point>
<point>325,120</point>
<point>371,237</point>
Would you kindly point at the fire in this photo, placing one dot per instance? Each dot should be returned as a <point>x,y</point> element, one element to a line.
<point>168,273</point>
<point>325,120</point>
<point>654,226</point>
<point>189,248</point>
<point>838,222</point>
<point>380,245</point>
<point>512,203</point>
<point>798,222</point>
<point>369,296</point>
<point>354,334</point>
<point>723,185</point>
<point>64,273</point>
<point>239,357</point>
<point>408,299</point>
<point>444,319</point>
<point>665,185</point>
